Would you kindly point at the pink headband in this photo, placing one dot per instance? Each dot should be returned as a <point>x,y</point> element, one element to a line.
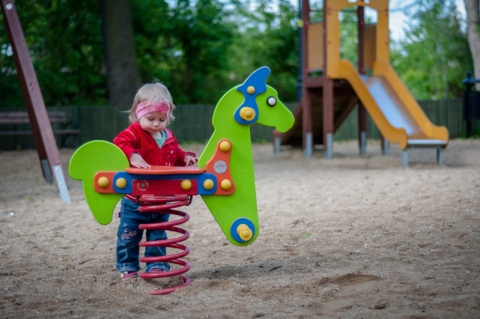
<point>149,107</point>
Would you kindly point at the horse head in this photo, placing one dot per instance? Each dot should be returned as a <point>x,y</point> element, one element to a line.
<point>261,103</point>
<point>253,102</point>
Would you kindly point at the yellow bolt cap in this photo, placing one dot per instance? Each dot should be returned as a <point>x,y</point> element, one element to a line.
<point>186,184</point>
<point>247,113</point>
<point>226,184</point>
<point>251,90</point>
<point>103,182</point>
<point>225,146</point>
<point>208,184</point>
<point>121,182</point>
<point>244,232</point>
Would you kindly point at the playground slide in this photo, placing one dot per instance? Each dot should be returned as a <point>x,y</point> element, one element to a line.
<point>393,109</point>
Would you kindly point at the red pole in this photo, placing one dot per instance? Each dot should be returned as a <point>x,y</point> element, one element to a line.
<point>362,113</point>
<point>327,93</point>
<point>306,101</point>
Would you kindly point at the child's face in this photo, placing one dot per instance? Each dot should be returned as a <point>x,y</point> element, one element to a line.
<point>154,122</point>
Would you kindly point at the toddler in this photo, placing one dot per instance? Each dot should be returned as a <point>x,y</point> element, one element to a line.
<point>147,141</point>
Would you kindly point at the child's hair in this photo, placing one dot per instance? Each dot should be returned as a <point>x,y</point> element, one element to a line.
<point>152,93</point>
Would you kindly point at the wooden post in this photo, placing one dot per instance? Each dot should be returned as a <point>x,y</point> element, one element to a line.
<point>328,117</point>
<point>362,113</point>
<point>301,63</point>
<point>327,91</point>
<point>41,127</point>
<point>306,101</point>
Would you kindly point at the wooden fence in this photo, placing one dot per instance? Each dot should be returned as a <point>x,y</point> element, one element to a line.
<point>448,113</point>
<point>193,124</point>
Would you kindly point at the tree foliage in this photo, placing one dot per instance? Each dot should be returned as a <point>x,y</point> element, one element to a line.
<point>434,56</point>
<point>473,35</point>
<point>66,49</point>
<point>267,36</point>
<point>201,48</point>
<point>197,48</point>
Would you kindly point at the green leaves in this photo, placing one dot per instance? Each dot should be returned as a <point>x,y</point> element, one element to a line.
<point>65,43</point>
<point>434,56</point>
<point>198,48</point>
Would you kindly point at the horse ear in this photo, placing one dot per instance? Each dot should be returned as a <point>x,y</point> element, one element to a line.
<point>256,83</point>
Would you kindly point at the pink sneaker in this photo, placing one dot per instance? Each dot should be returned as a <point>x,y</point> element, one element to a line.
<point>129,274</point>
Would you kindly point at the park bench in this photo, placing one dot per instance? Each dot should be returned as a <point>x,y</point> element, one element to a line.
<point>61,125</point>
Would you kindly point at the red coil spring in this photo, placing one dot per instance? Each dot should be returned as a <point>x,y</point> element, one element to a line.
<point>164,205</point>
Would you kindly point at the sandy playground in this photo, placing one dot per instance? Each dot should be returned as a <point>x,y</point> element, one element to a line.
<point>354,237</point>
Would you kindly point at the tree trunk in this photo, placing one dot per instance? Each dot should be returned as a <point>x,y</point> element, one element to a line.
<point>471,6</point>
<point>120,52</point>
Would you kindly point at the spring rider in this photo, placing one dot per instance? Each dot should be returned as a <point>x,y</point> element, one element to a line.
<point>224,177</point>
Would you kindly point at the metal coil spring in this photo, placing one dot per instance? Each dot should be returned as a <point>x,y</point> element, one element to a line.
<point>165,205</point>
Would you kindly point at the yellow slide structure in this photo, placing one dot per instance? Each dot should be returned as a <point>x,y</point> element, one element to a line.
<point>393,109</point>
<point>391,106</point>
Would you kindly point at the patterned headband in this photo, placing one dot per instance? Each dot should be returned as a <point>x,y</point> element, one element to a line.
<point>146,107</point>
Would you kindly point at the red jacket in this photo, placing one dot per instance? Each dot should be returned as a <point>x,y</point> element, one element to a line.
<point>136,140</point>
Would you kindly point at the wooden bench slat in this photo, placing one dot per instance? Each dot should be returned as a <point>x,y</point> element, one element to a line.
<point>21,117</point>
<point>27,121</point>
<point>60,132</point>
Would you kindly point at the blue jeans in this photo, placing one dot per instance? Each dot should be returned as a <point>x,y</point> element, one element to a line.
<point>129,237</point>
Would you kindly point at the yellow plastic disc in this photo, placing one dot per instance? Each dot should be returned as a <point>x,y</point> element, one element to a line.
<point>208,184</point>
<point>226,184</point>
<point>121,182</point>
<point>247,113</point>
<point>103,182</point>
<point>186,184</point>
<point>244,232</point>
<point>225,146</point>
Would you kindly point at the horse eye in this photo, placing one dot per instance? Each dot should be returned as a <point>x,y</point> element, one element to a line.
<point>271,101</point>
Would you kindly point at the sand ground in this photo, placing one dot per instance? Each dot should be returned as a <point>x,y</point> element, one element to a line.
<point>352,237</point>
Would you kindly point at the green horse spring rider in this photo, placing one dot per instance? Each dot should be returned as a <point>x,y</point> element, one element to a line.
<point>224,177</point>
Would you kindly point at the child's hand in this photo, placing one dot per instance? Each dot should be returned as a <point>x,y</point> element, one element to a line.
<point>136,160</point>
<point>190,160</point>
